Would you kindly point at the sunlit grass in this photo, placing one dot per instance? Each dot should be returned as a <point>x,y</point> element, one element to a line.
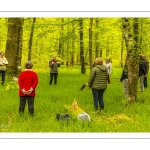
<point>50,100</point>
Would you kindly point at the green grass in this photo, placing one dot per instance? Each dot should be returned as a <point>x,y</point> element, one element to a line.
<point>50,100</point>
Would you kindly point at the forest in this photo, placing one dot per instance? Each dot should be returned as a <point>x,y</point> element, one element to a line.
<point>76,42</point>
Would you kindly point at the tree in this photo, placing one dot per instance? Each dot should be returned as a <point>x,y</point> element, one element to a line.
<point>13,44</point>
<point>31,39</point>
<point>83,70</point>
<point>132,44</point>
<point>90,44</point>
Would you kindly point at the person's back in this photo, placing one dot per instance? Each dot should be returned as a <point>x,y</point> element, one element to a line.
<point>99,77</point>
<point>28,79</point>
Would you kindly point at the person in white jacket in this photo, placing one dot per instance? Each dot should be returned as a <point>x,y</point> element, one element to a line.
<point>3,63</point>
<point>108,65</point>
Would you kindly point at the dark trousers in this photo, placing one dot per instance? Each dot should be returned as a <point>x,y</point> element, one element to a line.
<point>98,98</point>
<point>53,75</point>
<point>30,100</point>
<point>3,73</point>
<point>145,82</point>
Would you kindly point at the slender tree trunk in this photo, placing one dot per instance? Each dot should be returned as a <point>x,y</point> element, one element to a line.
<point>107,50</point>
<point>13,44</point>
<point>61,45</point>
<point>96,39</point>
<point>19,53</point>
<point>132,44</point>
<point>101,51</point>
<point>122,45</point>
<point>73,46</point>
<point>30,40</point>
<point>83,70</point>
<point>90,44</point>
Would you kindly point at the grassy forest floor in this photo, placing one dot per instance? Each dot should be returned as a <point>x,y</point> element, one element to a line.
<point>50,100</point>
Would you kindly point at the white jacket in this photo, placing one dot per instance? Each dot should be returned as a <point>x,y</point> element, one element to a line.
<point>3,63</point>
<point>109,67</point>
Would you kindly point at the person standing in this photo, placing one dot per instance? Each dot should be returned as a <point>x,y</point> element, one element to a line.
<point>98,83</point>
<point>3,63</point>
<point>108,65</point>
<point>142,72</point>
<point>28,81</point>
<point>147,69</point>
<point>124,78</point>
<point>53,64</point>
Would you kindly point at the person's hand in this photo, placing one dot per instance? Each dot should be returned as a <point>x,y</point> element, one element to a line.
<point>52,62</point>
<point>29,91</point>
<point>24,91</point>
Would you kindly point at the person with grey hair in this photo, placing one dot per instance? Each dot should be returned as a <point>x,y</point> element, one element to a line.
<point>98,83</point>
<point>53,64</point>
<point>3,63</point>
<point>28,81</point>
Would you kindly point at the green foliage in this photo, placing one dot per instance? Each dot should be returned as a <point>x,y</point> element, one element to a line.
<point>50,100</point>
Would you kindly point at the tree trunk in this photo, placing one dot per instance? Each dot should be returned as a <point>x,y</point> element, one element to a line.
<point>90,44</point>
<point>61,45</point>
<point>30,40</point>
<point>19,54</point>
<point>122,45</point>
<point>13,45</point>
<point>132,44</point>
<point>96,39</point>
<point>83,70</point>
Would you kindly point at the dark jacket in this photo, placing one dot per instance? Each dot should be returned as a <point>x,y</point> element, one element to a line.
<point>147,65</point>
<point>142,67</point>
<point>124,74</point>
<point>53,67</point>
<point>98,77</point>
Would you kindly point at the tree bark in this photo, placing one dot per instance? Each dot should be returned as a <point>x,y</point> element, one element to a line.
<point>132,44</point>
<point>90,44</point>
<point>82,61</point>
<point>31,39</point>
<point>13,45</point>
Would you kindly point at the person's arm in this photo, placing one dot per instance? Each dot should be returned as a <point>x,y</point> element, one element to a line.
<point>92,76</point>
<point>20,83</point>
<point>110,69</point>
<point>35,83</point>
<point>5,61</point>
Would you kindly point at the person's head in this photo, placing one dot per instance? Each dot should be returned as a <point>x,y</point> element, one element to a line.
<point>28,65</point>
<point>98,61</point>
<point>2,53</point>
<point>54,56</point>
<point>141,56</point>
<point>108,59</point>
<point>144,56</point>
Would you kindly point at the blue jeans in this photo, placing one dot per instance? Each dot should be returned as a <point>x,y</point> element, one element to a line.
<point>98,98</point>
<point>3,72</point>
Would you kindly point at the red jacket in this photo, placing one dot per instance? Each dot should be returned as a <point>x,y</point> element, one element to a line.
<point>27,79</point>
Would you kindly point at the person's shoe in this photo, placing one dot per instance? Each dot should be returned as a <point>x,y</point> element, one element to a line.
<point>102,110</point>
<point>2,82</point>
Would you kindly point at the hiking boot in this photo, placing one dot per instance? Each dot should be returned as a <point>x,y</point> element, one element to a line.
<point>2,82</point>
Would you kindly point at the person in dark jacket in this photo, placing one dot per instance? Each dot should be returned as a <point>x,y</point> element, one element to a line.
<point>98,83</point>
<point>142,72</point>
<point>147,69</point>
<point>53,64</point>
<point>124,78</point>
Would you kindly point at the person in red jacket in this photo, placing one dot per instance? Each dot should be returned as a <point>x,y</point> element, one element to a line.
<point>28,81</point>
